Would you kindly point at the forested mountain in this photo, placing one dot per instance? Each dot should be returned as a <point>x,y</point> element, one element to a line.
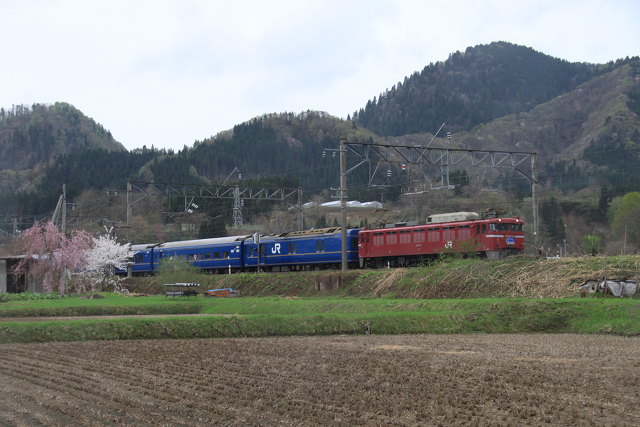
<point>473,87</point>
<point>581,119</point>
<point>276,145</point>
<point>589,136</point>
<point>93,169</point>
<point>32,137</point>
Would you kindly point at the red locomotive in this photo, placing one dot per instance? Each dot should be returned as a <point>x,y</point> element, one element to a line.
<point>458,232</point>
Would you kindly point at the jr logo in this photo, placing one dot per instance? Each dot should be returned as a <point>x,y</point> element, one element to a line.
<point>275,249</point>
<point>448,245</point>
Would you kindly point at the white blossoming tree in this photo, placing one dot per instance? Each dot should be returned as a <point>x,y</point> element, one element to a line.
<point>102,260</point>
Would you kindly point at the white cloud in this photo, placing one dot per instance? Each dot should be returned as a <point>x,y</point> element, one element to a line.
<point>166,73</point>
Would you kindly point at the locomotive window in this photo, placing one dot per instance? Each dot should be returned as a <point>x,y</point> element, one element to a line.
<point>216,255</point>
<point>405,231</point>
<point>391,238</point>
<point>207,255</point>
<point>354,242</point>
<point>502,227</point>
<point>292,248</point>
<point>225,254</point>
<point>319,245</point>
<point>484,228</point>
<point>516,227</point>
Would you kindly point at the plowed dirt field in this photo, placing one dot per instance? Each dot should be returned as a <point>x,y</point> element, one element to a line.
<point>342,380</point>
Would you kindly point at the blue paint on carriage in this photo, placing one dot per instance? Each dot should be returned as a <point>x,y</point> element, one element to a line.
<point>300,249</point>
<point>307,248</point>
<point>221,253</point>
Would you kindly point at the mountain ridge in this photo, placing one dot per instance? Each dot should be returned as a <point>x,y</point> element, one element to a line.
<point>584,136</point>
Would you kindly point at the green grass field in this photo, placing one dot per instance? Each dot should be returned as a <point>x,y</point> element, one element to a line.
<point>269,316</point>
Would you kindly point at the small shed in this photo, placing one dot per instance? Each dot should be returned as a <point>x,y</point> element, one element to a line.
<point>14,283</point>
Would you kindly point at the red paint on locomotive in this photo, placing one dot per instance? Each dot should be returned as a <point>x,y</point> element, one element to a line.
<point>409,245</point>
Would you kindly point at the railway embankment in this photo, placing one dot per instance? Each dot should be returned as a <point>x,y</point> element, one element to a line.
<point>526,277</point>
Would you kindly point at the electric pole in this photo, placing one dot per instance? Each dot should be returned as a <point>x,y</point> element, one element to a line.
<point>343,199</point>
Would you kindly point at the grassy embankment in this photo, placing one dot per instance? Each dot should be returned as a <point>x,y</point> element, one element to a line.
<point>515,296</point>
<point>456,278</point>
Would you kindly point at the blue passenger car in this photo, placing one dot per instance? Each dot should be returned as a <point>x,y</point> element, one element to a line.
<point>223,254</point>
<point>302,250</point>
<point>139,260</point>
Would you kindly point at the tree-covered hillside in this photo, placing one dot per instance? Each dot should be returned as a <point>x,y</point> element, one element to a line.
<point>581,119</point>
<point>95,169</point>
<point>472,87</point>
<point>288,145</point>
<point>32,135</point>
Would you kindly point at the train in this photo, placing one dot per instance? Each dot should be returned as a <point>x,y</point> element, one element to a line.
<point>395,245</point>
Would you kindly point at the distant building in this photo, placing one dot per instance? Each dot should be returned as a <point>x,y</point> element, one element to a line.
<point>14,283</point>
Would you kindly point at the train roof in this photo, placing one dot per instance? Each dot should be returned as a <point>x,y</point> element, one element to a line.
<point>202,242</point>
<point>452,216</point>
<point>404,226</point>
<point>142,246</point>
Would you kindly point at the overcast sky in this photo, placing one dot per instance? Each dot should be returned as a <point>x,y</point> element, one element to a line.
<point>167,73</point>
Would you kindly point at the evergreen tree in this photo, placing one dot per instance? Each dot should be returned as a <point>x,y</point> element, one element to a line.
<point>552,220</point>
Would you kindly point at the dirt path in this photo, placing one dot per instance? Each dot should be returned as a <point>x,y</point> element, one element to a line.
<point>341,380</point>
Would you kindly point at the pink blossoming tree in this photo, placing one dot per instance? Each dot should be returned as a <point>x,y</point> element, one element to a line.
<point>49,255</point>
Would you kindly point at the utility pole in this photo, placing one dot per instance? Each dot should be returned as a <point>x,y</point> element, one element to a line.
<point>128,203</point>
<point>534,201</point>
<point>63,227</point>
<point>343,199</point>
<point>237,208</point>
<point>300,210</point>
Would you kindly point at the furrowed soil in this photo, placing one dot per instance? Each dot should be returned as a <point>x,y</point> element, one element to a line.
<point>339,380</point>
